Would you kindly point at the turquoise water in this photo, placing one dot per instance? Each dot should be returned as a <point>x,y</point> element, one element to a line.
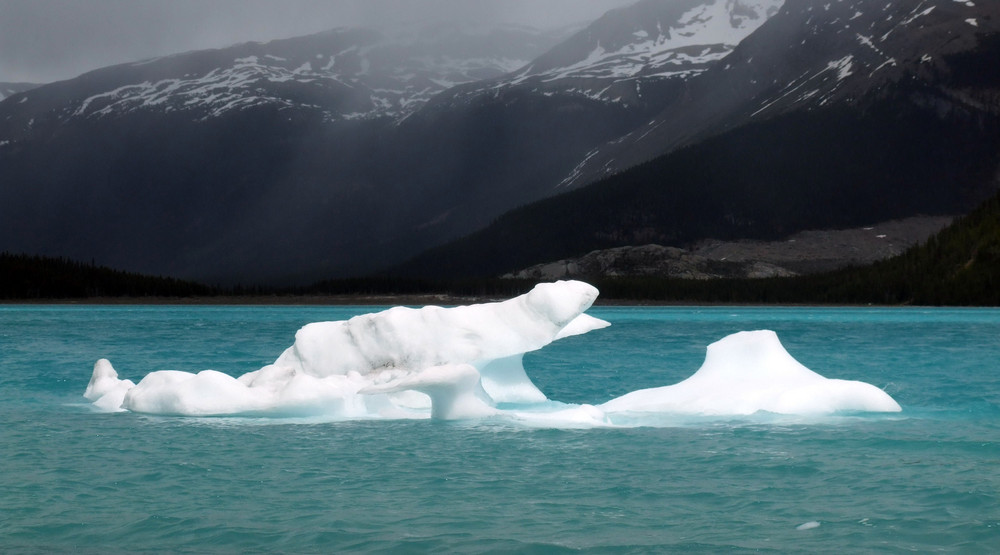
<point>925,480</point>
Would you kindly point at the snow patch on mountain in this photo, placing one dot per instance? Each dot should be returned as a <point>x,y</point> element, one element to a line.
<point>650,41</point>
<point>343,74</point>
<point>881,30</point>
<point>247,82</point>
<point>812,55</point>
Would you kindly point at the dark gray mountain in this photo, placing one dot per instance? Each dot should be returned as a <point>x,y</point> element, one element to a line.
<point>262,161</point>
<point>333,154</point>
<point>605,80</point>
<point>348,151</point>
<point>342,74</point>
<point>818,55</point>
<point>504,142</point>
<point>632,54</point>
<point>831,115</point>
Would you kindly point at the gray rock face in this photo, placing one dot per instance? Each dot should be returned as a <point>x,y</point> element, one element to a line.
<point>649,260</point>
<point>802,253</point>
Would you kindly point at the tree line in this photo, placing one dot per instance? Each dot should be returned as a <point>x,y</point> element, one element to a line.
<point>958,266</point>
<point>27,277</point>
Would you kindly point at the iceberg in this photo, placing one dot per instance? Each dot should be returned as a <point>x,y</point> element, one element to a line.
<point>465,362</point>
<point>749,372</point>
<point>461,360</point>
<point>105,390</point>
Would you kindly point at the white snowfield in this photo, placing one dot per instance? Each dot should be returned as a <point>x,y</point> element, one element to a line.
<point>384,78</point>
<point>700,37</point>
<point>380,78</point>
<point>465,362</point>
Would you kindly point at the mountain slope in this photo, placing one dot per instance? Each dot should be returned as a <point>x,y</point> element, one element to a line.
<point>816,54</point>
<point>288,161</point>
<point>926,141</point>
<point>807,252</point>
<point>347,73</point>
<point>635,47</point>
<point>344,152</point>
<point>511,140</point>
<point>960,265</point>
<point>636,58</point>
<point>257,162</point>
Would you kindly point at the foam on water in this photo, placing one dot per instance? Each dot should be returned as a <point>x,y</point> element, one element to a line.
<point>466,362</point>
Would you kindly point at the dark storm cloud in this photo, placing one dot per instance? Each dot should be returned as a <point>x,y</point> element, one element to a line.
<point>46,40</point>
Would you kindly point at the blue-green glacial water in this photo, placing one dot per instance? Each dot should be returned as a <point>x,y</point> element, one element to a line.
<point>927,479</point>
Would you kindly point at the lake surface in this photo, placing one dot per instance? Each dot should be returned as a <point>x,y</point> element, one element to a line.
<point>927,479</point>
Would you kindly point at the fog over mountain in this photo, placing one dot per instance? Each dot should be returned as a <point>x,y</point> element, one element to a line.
<point>47,40</point>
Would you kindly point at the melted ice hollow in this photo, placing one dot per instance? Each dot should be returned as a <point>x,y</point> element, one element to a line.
<point>461,362</point>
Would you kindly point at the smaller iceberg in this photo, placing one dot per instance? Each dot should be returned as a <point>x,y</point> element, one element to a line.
<point>749,372</point>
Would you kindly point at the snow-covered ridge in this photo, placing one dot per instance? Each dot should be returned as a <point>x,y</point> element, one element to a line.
<point>813,54</point>
<point>653,41</point>
<point>239,86</point>
<point>345,74</point>
<point>874,46</point>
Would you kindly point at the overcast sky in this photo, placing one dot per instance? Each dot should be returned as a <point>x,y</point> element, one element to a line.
<point>48,40</point>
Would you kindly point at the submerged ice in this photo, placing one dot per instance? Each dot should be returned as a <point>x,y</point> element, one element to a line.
<point>466,362</point>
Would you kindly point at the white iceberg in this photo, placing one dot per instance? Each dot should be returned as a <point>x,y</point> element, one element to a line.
<point>105,390</point>
<point>463,359</point>
<point>466,362</point>
<point>749,372</point>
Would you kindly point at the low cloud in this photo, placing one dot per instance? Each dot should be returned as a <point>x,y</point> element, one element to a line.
<point>48,40</point>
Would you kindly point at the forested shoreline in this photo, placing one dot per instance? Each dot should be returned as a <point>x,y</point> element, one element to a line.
<point>959,266</point>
